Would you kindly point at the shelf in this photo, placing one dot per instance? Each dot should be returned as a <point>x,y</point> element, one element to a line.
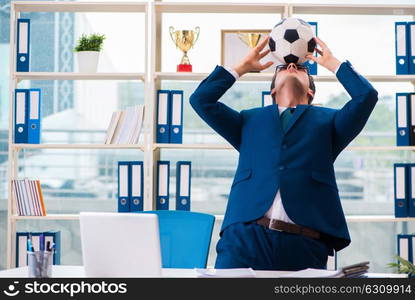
<point>78,146</point>
<point>353,9</point>
<point>380,148</point>
<point>190,76</point>
<point>350,219</point>
<point>230,147</point>
<point>217,146</point>
<point>373,78</point>
<point>77,76</point>
<point>47,217</point>
<point>219,7</point>
<point>296,8</point>
<point>41,6</point>
<point>194,146</point>
<point>385,218</point>
<point>193,76</point>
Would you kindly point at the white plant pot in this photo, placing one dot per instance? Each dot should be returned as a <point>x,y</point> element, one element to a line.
<point>88,61</point>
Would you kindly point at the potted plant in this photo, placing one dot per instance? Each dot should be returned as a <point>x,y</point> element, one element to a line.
<point>87,49</point>
<point>403,266</point>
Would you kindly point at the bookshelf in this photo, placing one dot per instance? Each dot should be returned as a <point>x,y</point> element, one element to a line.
<point>152,78</point>
<point>15,77</point>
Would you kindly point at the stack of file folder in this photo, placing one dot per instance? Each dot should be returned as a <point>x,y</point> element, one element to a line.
<point>27,116</point>
<point>23,45</point>
<point>404,189</point>
<point>356,270</point>
<point>266,98</point>
<point>351,271</point>
<point>130,186</point>
<point>312,66</point>
<point>125,126</point>
<point>29,198</point>
<point>406,247</point>
<point>183,185</point>
<point>405,119</point>
<point>169,116</point>
<point>404,42</point>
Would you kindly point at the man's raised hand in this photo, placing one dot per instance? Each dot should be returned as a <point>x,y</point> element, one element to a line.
<point>326,58</point>
<point>251,61</point>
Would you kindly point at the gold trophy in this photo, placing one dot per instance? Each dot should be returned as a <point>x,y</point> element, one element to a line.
<point>184,39</point>
<point>251,39</point>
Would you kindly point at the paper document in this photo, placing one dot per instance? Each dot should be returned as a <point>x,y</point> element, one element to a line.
<point>310,272</point>
<point>209,272</point>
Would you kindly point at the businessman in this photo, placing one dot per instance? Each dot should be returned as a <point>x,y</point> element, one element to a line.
<point>284,210</point>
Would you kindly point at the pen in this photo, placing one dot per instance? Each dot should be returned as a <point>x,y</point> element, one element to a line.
<point>48,246</point>
<point>30,246</point>
<point>42,242</point>
<point>29,242</point>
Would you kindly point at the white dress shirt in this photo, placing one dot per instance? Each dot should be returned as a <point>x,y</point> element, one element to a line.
<point>276,211</point>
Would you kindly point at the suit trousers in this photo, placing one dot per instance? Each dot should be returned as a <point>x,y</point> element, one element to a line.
<point>248,244</point>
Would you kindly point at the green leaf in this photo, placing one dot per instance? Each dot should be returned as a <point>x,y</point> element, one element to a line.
<point>404,266</point>
<point>92,42</point>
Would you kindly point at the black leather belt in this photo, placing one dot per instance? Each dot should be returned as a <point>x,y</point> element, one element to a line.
<point>288,227</point>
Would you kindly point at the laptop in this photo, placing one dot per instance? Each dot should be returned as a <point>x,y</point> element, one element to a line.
<point>120,244</point>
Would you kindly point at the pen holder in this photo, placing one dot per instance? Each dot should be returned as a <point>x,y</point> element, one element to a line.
<point>39,264</point>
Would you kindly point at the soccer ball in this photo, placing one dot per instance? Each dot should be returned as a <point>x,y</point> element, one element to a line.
<point>291,40</point>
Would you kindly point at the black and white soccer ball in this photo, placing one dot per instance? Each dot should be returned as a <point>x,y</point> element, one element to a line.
<point>291,40</point>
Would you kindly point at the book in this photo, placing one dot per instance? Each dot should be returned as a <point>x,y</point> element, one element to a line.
<point>140,120</point>
<point>118,125</point>
<point>125,126</point>
<point>113,125</point>
<point>28,197</point>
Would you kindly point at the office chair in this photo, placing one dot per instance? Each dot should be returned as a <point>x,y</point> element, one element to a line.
<point>184,238</point>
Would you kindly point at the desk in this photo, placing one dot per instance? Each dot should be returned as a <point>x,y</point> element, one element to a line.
<point>78,271</point>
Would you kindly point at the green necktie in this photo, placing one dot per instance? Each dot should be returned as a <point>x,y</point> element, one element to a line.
<point>286,116</point>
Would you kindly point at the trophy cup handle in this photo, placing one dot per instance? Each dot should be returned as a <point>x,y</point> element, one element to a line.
<point>197,30</point>
<point>171,30</point>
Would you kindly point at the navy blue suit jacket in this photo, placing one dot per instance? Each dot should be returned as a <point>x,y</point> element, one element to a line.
<point>299,162</point>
